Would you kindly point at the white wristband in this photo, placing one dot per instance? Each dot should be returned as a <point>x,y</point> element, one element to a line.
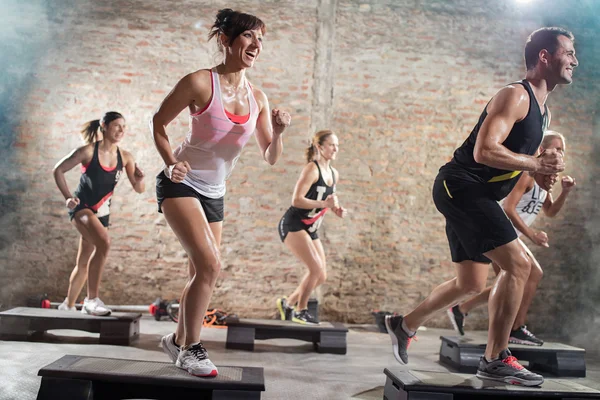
<point>170,170</point>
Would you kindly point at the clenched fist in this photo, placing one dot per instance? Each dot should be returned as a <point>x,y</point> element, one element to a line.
<point>178,171</point>
<point>72,202</point>
<point>280,120</point>
<point>567,183</point>
<point>550,162</point>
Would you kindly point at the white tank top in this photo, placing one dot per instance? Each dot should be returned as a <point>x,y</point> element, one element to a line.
<point>530,205</point>
<point>214,143</point>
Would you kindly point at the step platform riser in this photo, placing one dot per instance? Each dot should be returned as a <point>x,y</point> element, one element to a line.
<point>93,378</point>
<point>436,385</point>
<point>554,358</point>
<point>326,337</point>
<point>23,323</point>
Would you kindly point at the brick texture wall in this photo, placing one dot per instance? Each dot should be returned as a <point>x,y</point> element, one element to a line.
<point>402,83</point>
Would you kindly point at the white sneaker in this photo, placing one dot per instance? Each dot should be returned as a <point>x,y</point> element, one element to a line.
<point>95,307</point>
<point>169,347</point>
<point>64,307</point>
<point>195,360</point>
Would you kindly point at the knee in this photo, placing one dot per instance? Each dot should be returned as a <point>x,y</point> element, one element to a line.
<point>214,268</point>
<point>317,273</point>
<point>471,288</point>
<point>322,277</point>
<point>83,267</point>
<point>209,269</point>
<point>103,244</point>
<point>521,267</point>
<point>536,273</point>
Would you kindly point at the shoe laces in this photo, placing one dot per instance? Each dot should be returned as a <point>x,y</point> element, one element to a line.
<point>526,331</point>
<point>512,361</point>
<point>198,351</point>
<point>410,339</point>
<point>99,303</point>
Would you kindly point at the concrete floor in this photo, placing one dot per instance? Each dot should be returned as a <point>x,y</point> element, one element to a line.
<point>292,369</point>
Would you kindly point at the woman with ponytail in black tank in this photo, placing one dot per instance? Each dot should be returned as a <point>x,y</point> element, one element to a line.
<point>313,195</point>
<point>102,163</point>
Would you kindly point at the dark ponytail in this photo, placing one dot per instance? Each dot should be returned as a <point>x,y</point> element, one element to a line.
<point>233,23</point>
<point>89,132</point>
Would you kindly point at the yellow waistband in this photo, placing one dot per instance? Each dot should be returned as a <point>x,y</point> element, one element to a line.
<point>505,177</point>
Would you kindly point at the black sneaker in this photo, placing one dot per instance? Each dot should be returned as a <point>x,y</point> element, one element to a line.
<point>304,317</point>
<point>457,318</point>
<point>522,335</point>
<point>508,370</point>
<point>400,339</point>
<point>285,310</point>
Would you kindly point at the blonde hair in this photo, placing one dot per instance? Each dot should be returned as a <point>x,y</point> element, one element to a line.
<point>550,136</point>
<point>317,140</point>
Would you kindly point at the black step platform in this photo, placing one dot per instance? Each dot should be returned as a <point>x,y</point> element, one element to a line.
<point>22,323</point>
<point>93,378</point>
<point>463,354</point>
<point>326,337</point>
<point>426,385</point>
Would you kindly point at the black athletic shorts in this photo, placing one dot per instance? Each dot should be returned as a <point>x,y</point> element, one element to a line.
<point>291,223</point>
<point>103,220</point>
<point>166,188</point>
<point>475,222</point>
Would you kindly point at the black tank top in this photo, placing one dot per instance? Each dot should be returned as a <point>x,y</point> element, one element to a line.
<point>317,191</point>
<point>97,184</point>
<point>524,138</point>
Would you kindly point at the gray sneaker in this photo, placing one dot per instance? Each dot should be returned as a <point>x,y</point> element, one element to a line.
<point>508,370</point>
<point>195,360</point>
<point>400,339</point>
<point>169,347</point>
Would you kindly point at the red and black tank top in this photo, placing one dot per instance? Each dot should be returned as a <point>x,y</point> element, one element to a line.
<point>317,191</point>
<point>97,183</point>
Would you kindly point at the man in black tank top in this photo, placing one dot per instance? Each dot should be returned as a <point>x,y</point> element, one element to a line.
<point>484,169</point>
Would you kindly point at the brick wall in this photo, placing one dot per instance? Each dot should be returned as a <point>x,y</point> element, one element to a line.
<point>402,83</point>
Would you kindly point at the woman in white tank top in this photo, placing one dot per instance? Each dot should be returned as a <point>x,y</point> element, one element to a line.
<point>225,110</point>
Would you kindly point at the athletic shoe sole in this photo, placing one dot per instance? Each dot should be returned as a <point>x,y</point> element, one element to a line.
<point>96,314</point>
<point>212,373</point>
<point>511,380</point>
<point>513,340</point>
<point>388,326</point>
<point>303,322</point>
